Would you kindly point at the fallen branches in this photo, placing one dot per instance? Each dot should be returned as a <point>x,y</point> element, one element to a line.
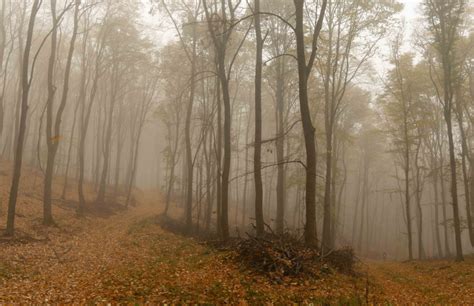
<point>282,256</point>
<point>277,256</point>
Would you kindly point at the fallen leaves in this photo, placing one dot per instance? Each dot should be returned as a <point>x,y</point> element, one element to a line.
<point>128,258</point>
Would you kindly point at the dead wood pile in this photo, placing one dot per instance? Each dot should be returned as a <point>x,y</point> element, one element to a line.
<point>280,256</point>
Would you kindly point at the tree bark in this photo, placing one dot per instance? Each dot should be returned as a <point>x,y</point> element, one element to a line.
<point>257,165</point>
<point>280,147</point>
<point>25,89</point>
<point>304,70</point>
<point>187,137</point>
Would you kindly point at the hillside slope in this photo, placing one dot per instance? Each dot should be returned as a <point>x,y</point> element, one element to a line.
<point>125,256</point>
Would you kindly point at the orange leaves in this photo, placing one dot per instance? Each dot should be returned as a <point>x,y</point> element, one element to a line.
<point>56,139</point>
<point>129,258</point>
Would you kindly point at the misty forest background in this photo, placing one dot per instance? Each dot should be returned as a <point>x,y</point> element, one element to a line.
<point>338,121</point>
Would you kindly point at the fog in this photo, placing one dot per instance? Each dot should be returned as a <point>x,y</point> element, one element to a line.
<point>340,124</point>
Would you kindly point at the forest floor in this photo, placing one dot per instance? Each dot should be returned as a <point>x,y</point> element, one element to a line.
<point>125,256</point>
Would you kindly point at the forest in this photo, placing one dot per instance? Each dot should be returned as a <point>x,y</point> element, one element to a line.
<point>237,152</point>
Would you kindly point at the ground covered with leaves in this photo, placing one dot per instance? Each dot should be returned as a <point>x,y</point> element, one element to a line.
<point>126,256</point>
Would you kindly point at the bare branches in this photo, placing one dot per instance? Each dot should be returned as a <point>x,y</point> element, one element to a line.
<point>316,33</point>
<point>45,38</point>
<point>269,166</point>
<point>278,136</point>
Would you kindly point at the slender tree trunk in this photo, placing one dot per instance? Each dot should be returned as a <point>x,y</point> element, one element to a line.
<point>108,135</point>
<point>454,187</point>
<point>257,165</point>
<point>280,148</point>
<point>304,70</point>
<point>329,130</point>
<point>244,198</point>
<point>172,165</point>
<point>407,189</point>
<point>464,156</point>
<point>419,211</point>
<point>19,96</point>
<point>337,199</point>
<point>52,133</point>
<point>25,89</point>
<point>364,203</point>
<point>219,161</point>
<point>207,150</point>
<point>436,203</point>
<point>3,39</point>
<point>119,148</point>
<point>227,151</point>
<point>187,137</point>
<point>85,118</point>
<point>69,152</point>
<point>52,148</point>
<point>447,250</point>
<point>237,170</point>
<point>356,210</point>
<point>326,242</point>
<point>133,175</point>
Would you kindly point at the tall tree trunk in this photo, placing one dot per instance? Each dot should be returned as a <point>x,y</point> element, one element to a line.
<point>257,165</point>
<point>447,250</point>
<point>364,202</point>
<point>53,133</point>
<point>329,98</point>
<point>464,156</point>
<point>174,152</point>
<point>107,140</point>
<point>356,210</point>
<point>436,203</point>
<point>326,242</point>
<point>419,211</point>
<point>131,181</point>
<point>454,187</point>
<point>407,189</point>
<point>280,148</point>
<point>69,152</point>
<point>119,148</point>
<point>52,149</point>
<point>219,161</point>
<point>3,42</point>
<point>187,137</point>
<point>207,158</point>
<point>227,151</point>
<point>337,201</point>
<point>25,90</point>
<point>304,70</point>
<point>86,109</point>
<point>244,198</point>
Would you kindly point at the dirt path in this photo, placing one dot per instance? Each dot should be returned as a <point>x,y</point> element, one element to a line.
<point>74,263</point>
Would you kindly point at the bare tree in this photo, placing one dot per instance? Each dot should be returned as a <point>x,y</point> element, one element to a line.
<point>26,79</point>
<point>444,20</point>
<point>53,135</point>
<point>304,71</point>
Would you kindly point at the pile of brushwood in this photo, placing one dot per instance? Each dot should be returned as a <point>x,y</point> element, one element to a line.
<point>284,255</point>
<point>274,255</point>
